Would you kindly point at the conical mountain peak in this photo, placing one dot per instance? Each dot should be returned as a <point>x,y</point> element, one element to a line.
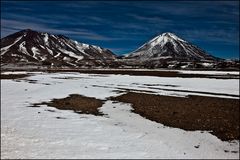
<point>169,46</point>
<point>167,36</point>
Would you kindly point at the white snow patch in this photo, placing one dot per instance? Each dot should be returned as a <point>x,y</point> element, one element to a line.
<point>29,133</point>
<point>53,36</point>
<point>71,54</point>
<point>207,64</point>
<point>99,49</point>
<point>14,72</point>
<point>82,47</point>
<point>46,39</point>
<point>163,57</point>
<point>208,72</point>
<point>35,52</point>
<point>22,48</point>
<point>68,44</point>
<point>59,53</point>
<point>50,51</point>
<point>42,46</point>
<point>66,58</point>
<point>5,49</point>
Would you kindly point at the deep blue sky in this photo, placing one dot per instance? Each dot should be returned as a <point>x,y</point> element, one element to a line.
<point>124,26</point>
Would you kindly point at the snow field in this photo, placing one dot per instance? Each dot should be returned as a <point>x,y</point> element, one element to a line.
<point>28,132</point>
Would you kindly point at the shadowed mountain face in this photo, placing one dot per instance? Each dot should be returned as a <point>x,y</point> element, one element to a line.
<point>33,46</point>
<point>168,46</point>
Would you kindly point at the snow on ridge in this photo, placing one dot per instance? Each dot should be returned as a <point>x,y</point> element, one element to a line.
<point>76,42</point>
<point>81,49</point>
<point>163,57</point>
<point>35,52</point>
<point>83,46</point>
<point>49,51</point>
<point>174,36</point>
<point>57,55</point>
<point>71,54</point>
<point>99,49</point>
<point>68,44</point>
<point>46,38</point>
<point>161,40</point>
<point>5,49</point>
<point>48,45</point>
<point>157,45</point>
<point>53,36</point>
<point>22,48</point>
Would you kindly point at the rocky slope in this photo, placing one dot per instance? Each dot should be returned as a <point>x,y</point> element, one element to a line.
<point>168,46</point>
<point>32,46</point>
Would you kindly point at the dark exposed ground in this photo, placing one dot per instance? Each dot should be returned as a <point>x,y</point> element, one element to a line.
<point>219,115</point>
<point>13,76</point>
<point>77,103</point>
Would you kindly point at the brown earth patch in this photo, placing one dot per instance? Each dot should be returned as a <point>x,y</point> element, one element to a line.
<point>77,103</point>
<point>13,76</point>
<point>218,115</point>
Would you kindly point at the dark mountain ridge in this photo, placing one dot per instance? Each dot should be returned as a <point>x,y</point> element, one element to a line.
<point>32,46</point>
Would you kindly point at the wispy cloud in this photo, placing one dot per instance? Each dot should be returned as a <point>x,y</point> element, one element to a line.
<point>119,25</point>
<point>11,26</point>
<point>218,36</point>
<point>151,19</point>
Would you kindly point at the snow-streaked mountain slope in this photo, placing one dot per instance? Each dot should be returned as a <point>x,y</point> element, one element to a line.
<point>169,46</point>
<point>32,46</point>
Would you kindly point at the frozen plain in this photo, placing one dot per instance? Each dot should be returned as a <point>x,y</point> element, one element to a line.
<point>28,132</point>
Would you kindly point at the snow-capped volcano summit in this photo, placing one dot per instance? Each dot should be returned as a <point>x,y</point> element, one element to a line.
<point>169,46</point>
<point>32,46</point>
<point>165,37</point>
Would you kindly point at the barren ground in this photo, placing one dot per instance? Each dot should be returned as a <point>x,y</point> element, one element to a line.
<point>77,103</point>
<point>219,115</point>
